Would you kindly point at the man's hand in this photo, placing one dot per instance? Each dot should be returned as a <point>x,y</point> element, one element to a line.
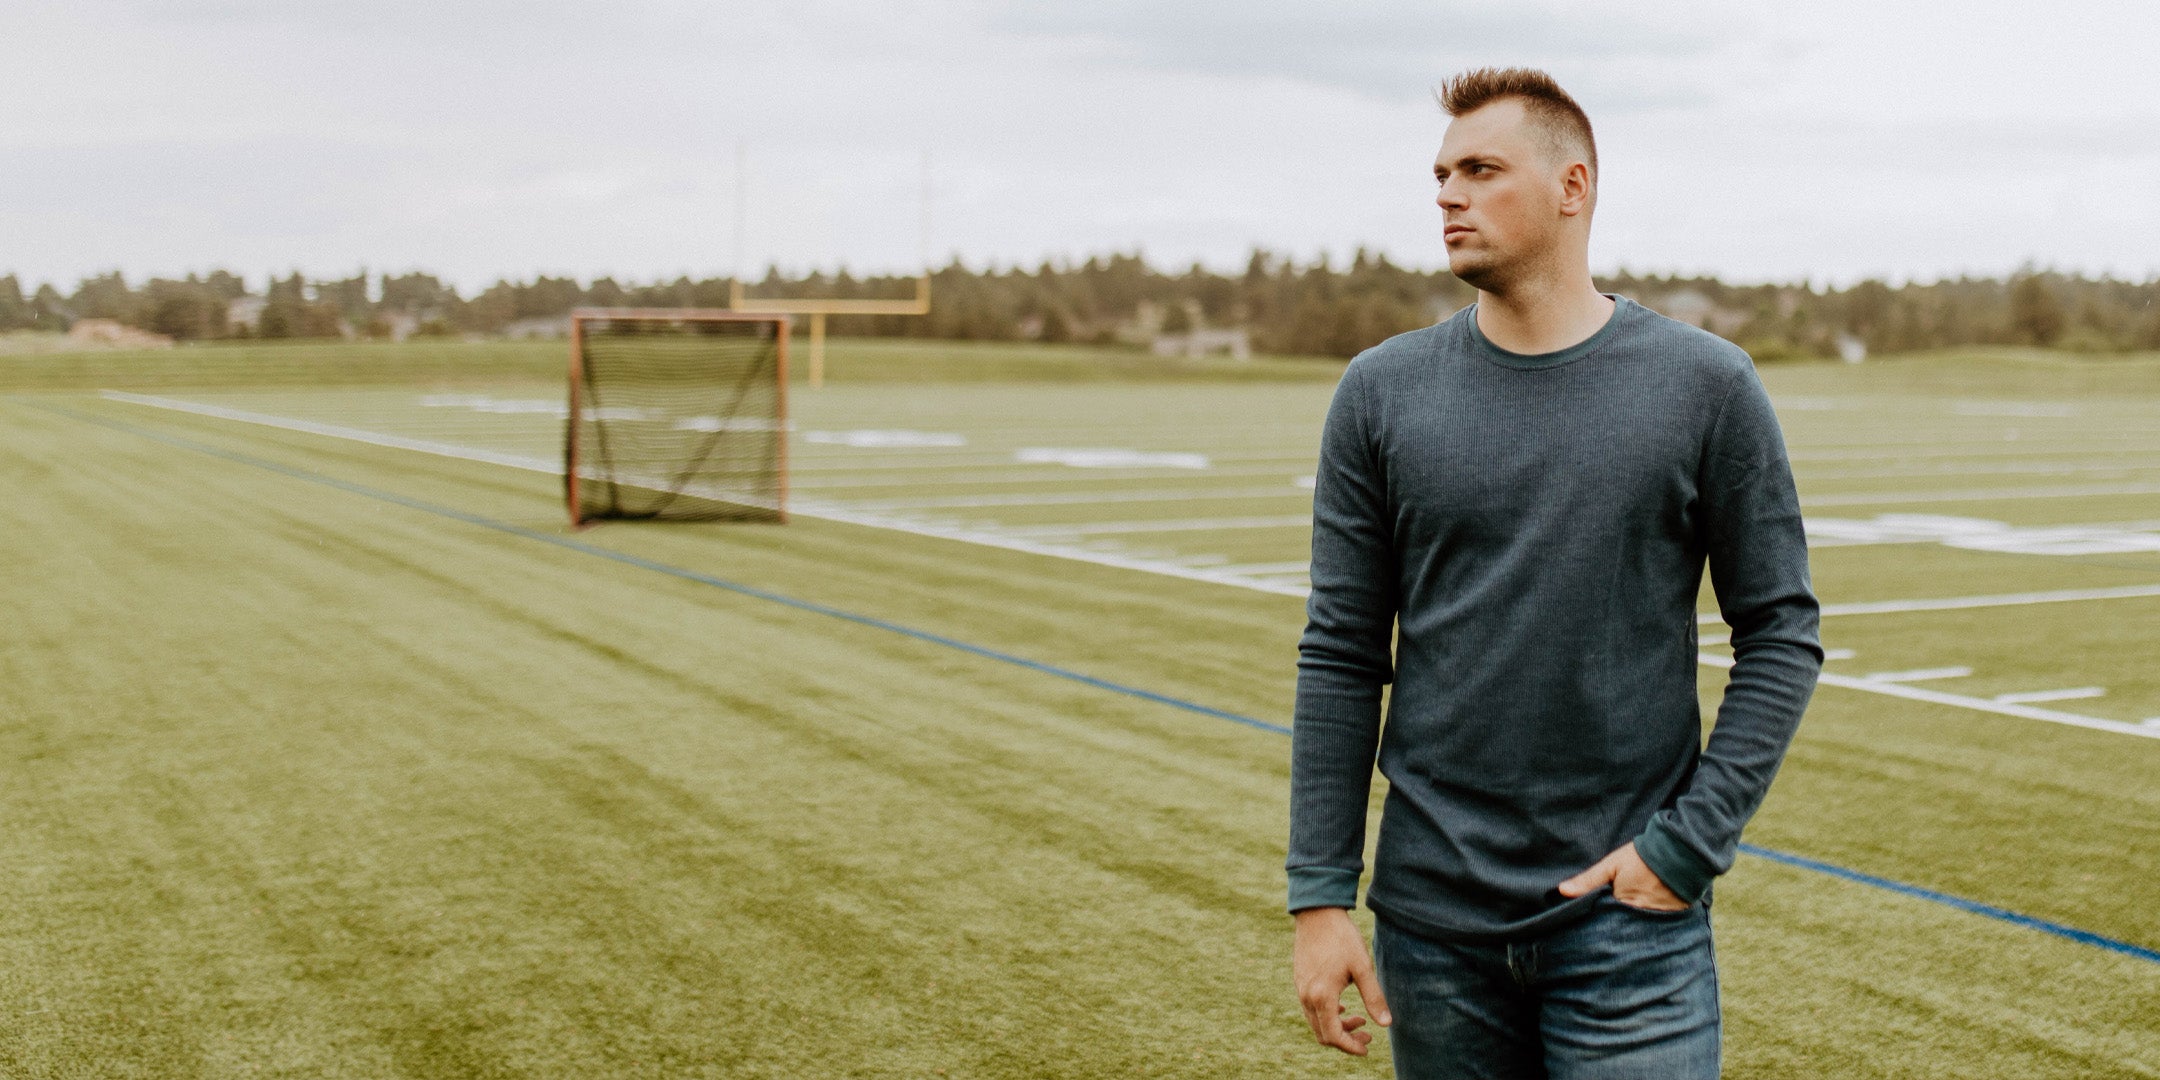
<point>1328,957</point>
<point>1633,881</point>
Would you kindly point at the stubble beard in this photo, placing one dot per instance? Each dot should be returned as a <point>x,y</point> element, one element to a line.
<point>1486,274</point>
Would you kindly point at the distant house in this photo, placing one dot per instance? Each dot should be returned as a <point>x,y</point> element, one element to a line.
<point>554,326</point>
<point>1695,309</point>
<point>1439,308</point>
<point>400,324</point>
<point>1237,343</point>
<point>245,312</point>
<point>110,333</point>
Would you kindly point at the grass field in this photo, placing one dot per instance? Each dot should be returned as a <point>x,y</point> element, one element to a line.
<point>330,752</point>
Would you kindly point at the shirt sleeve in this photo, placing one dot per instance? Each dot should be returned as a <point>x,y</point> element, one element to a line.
<point>1749,515</point>
<point>1345,656</point>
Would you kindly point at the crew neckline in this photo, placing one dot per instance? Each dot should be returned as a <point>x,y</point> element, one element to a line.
<point>1535,361</point>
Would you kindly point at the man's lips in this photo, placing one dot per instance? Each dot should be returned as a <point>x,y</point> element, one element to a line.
<point>1453,231</point>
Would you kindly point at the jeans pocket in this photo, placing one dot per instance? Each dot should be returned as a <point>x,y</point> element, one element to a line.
<point>1652,913</point>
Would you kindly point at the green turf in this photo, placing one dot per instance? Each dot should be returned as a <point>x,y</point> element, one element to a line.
<point>453,362</point>
<point>302,782</point>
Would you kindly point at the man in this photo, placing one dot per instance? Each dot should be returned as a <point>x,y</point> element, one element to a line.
<point>1530,491</point>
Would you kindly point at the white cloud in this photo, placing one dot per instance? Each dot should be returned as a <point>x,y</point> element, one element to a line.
<point>1833,138</point>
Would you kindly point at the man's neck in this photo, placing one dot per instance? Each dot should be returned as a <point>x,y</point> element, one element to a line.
<point>1543,316</point>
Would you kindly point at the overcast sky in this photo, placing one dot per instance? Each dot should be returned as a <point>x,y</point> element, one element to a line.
<point>1823,139</point>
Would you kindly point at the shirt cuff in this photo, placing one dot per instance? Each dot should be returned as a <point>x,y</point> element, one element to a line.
<point>1322,886</point>
<point>1675,864</point>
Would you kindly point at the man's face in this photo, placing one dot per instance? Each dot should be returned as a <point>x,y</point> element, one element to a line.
<point>1500,194</point>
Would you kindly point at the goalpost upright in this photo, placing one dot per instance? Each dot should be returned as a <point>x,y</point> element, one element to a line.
<point>817,308</point>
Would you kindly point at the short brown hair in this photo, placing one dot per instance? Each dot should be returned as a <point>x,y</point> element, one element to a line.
<point>1555,111</point>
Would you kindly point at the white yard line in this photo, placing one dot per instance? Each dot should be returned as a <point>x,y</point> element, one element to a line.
<point>1075,552</point>
<point>1297,568</point>
<point>1947,445</point>
<point>1039,473</point>
<point>2059,491</point>
<point>802,507</point>
<point>858,514</point>
<point>1097,528</point>
<point>1959,603</point>
<point>1962,701</point>
<point>515,461</point>
<point>2013,468</point>
<point>1917,674</point>
<point>2033,696</point>
<point>1285,490</point>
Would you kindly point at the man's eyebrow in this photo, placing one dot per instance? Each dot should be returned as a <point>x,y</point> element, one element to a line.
<point>1464,162</point>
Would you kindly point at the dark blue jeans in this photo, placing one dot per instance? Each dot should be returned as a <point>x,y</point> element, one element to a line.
<point>1623,994</point>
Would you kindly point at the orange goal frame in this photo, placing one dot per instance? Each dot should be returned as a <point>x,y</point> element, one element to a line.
<point>581,316</point>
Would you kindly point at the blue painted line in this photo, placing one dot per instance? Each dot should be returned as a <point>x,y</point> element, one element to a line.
<point>673,571</point>
<point>1974,907</point>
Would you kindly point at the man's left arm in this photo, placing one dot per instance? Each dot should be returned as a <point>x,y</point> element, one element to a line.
<point>1749,514</point>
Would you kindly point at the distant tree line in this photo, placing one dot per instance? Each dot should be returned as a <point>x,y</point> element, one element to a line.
<point>1285,306</point>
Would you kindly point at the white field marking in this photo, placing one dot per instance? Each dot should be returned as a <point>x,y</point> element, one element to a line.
<point>1917,674</point>
<point>1074,498</point>
<point>799,507</point>
<point>1047,473</point>
<point>730,423</point>
<point>492,457</point>
<point>2031,696</point>
<point>2152,722</point>
<point>960,502</point>
<point>885,438</point>
<point>2064,491</point>
<point>985,458</point>
<point>2013,408</point>
<point>854,515</point>
<point>1959,603</point>
<point>1838,654</point>
<point>1920,693</point>
<point>1167,566</point>
<point>865,512</point>
<point>1297,567</point>
<point>1108,457</point>
<point>1977,534</point>
<point>555,407</point>
<point>2007,468</point>
<point>1923,451</point>
<point>1096,528</point>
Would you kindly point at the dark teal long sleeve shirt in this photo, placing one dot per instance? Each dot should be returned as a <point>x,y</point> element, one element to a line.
<point>1517,543</point>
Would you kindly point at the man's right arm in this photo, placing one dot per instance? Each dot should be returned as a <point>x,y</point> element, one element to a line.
<point>1344,658</point>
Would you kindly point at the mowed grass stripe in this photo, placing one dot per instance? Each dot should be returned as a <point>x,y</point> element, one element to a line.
<point>1924,1004</point>
<point>1989,910</point>
<point>1974,906</point>
<point>859,823</point>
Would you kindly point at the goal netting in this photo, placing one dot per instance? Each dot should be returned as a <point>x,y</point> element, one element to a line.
<point>676,415</point>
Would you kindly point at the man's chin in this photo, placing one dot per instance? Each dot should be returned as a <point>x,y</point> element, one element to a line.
<point>1476,273</point>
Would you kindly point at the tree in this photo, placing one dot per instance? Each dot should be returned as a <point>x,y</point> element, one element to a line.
<point>2036,315</point>
<point>291,313</point>
<point>15,311</point>
<point>186,310</point>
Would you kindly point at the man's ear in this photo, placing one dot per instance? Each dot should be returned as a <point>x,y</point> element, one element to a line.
<point>1575,189</point>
